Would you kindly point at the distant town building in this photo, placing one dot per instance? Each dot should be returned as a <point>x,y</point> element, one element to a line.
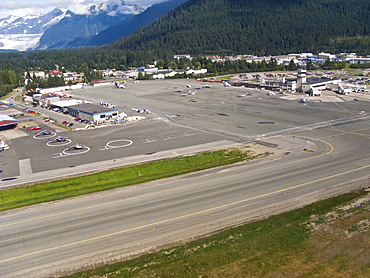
<point>39,74</point>
<point>178,57</point>
<point>56,73</point>
<point>101,82</point>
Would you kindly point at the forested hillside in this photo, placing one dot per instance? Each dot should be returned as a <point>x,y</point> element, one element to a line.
<point>201,27</point>
<point>255,27</point>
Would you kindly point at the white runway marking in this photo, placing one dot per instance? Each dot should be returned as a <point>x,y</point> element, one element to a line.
<point>150,140</point>
<point>25,167</point>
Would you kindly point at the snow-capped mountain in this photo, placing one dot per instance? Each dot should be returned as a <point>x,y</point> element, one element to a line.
<point>95,19</point>
<point>59,26</point>
<point>30,24</point>
<point>126,26</point>
<point>21,33</point>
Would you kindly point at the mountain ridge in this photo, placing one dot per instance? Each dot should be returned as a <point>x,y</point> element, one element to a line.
<point>22,33</point>
<point>30,24</point>
<point>75,25</point>
<point>127,26</point>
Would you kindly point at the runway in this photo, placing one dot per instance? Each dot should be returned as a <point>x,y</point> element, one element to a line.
<point>121,223</point>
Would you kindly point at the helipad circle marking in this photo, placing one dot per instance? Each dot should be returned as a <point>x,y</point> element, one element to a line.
<point>109,144</point>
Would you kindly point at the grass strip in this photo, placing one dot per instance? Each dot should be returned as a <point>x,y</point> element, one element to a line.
<point>280,246</point>
<point>135,174</point>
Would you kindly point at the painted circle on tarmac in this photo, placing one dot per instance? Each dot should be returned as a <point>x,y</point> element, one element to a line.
<point>44,136</point>
<point>74,152</point>
<point>58,144</point>
<point>118,143</point>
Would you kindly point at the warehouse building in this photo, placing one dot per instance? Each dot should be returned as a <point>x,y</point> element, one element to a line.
<point>92,112</point>
<point>7,122</point>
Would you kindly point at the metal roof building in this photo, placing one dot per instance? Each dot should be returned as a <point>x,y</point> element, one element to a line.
<point>7,122</point>
<point>92,112</point>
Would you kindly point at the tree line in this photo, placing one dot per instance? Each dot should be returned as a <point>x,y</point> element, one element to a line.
<point>9,79</point>
<point>214,27</point>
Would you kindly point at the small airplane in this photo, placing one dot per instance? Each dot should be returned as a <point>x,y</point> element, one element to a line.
<point>57,140</point>
<point>45,132</point>
<point>33,128</point>
<point>75,147</point>
<point>3,146</point>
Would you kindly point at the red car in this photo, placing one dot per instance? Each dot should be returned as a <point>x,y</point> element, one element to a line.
<point>33,128</point>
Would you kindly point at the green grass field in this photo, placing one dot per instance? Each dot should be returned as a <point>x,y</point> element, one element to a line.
<point>56,190</point>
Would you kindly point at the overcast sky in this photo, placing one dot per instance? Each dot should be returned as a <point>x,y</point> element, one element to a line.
<point>26,7</point>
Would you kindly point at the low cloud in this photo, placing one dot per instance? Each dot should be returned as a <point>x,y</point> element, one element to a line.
<point>11,4</point>
<point>23,7</point>
<point>37,7</point>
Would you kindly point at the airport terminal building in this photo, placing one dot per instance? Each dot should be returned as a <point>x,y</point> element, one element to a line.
<point>301,83</point>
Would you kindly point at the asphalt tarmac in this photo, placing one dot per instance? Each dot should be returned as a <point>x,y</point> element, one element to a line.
<point>184,114</point>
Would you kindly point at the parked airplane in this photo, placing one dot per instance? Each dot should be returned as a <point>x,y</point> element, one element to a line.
<point>3,146</point>
<point>75,147</point>
<point>45,132</point>
<point>141,110</point>
<point>33,128</point>
<point>57,140</point>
